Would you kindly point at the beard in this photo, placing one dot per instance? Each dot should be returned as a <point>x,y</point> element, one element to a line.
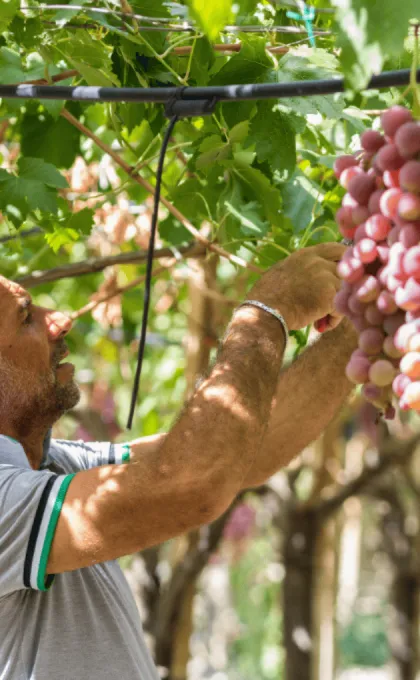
<point>31,400</point>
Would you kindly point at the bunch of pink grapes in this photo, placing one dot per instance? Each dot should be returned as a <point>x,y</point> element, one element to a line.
<point>380,214</point>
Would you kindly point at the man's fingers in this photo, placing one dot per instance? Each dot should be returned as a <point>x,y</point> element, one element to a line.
<point>330,251</point>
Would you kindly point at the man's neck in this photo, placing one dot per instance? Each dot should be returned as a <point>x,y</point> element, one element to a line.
<point>32,442</point>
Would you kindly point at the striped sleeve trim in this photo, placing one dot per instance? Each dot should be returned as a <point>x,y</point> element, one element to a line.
<point>42,533</point>
<point>119,453</point>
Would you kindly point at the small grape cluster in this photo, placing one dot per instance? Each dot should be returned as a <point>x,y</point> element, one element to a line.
<point>380,214</point>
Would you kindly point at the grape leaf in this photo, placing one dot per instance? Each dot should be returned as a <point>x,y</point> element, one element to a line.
<point>7,12</point>
<point>42,137</point>
<point>274,137</point>
<point>33,189</point>
<point>249,218</point>
<point>211,16</point>
<point>369,33</point>
<point>11,70</point>
<point>257,187</point>
<point>81,221</point>
<point>300,196</point>
<point>250,65</point>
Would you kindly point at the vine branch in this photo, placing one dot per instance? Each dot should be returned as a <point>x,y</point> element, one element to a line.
<point>393,453</point>
<point>98,264</point>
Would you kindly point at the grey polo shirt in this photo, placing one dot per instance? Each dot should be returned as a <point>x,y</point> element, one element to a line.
<point>72,626</point>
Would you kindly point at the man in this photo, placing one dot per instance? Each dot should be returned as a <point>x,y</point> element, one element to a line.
<point>72,512</point>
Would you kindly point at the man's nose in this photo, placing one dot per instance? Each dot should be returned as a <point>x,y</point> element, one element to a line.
<point>58,324</point>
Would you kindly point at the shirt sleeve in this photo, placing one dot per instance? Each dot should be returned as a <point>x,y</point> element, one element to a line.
<point>30,505</point>
<point>79,455</point>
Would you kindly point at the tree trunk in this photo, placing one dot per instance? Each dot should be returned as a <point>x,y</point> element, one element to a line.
<point>297,592</point>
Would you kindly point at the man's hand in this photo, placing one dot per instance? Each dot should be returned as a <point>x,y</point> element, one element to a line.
<point>302,287</point>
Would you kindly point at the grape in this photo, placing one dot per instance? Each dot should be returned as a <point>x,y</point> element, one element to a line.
<point>413,344</point>
<point>393,283</point>
<point>388,158</point>
<point>400,383</point>
<point>409,207</point>
<point>341,302</point>
<point>373,316</point>
<point>360,187</point>
<point>382,373</point>
<point>349,174</point>
<point>355,305</point>
<point>372,141</point>
<point>349,202</point>
<point>378,227</point>
<point>367,289</point>
<point>407,300</point>
<point>386,303</point>
<point>383,252</point>
<point>342,163</point>
<point>392,323</point>
<point>351,270</point>
<point>411,261</point>
<point>412,316</point>
<point>392,179</point>
<point>371,340</point>
<point>360,233</point>
<point>359,214</point>
<point>359,323</point>
<point>394,235</point>
<point>357,370</point>
<point>390,349</point>
<point>348,232</point>
<point>393,118</point>
<point>410,176</point>
<point>389,202</point>
<point>410,234</point>
<point>410,365</point>
<point>374,201</point>
<point>404,333</point>
<point>411,396</point>
<point>396,261</point>
<point>407,139</point>
<point>366,250</point>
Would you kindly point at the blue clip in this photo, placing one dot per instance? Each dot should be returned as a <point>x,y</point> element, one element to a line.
<point>308,15</point>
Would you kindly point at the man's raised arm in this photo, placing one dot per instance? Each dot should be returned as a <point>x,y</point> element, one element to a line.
<point>193,476</point>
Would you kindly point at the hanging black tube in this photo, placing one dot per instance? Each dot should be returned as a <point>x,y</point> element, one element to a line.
<point>226,93</point>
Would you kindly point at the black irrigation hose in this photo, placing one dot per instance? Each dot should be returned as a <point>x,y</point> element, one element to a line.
<point>148,281</point>
<point>162,95</point>
<point>188,101</point>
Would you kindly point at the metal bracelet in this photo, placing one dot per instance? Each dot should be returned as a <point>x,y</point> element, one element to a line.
<point>269,310</point>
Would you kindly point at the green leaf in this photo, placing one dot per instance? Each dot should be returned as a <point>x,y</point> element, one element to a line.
<point>274,137</point>
<point>37,169</point>
<point>249,219</point>
<point>300,196</point>
<point>258,187</point>
<point>7,12</point>
<point>371,32</point>
<point>292,68</point>
<point>202,60</point>
<point>250,65</point>
<point>213,149</point>
<point>239,132</point>
<point>211,16</point>
<point>56,141</point>
<point>81,221</point>
<point>61,236</point>
<point>11,70</point>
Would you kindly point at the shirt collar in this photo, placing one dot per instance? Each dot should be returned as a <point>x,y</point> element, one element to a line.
<point>12,452</point>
